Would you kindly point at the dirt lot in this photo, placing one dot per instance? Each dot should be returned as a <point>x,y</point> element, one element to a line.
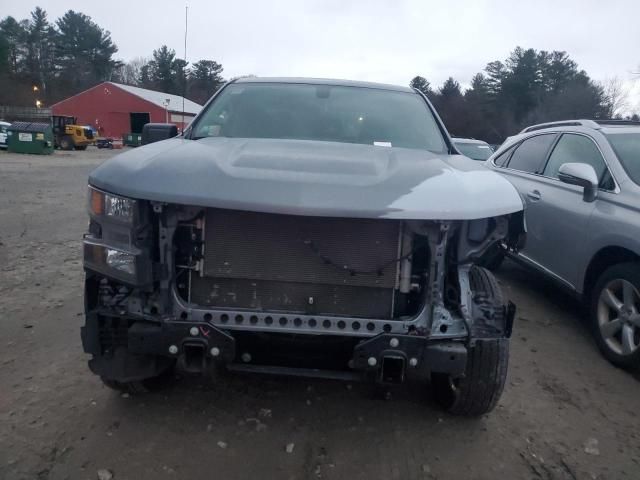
<point>565,414</point>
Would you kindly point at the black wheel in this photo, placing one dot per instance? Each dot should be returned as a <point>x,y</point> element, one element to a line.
<point>492,258</point>
<point>80,147</point>
<point>615,314</point>
<point>126,387</point>
<point>477,392</point>
<point>142,386</point>
<point>66,143</point>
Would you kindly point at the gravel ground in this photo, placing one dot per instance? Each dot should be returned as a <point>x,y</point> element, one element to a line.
<point>565,414</point>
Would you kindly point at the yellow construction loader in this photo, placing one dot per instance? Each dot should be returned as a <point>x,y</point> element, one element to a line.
<point>68,135</point>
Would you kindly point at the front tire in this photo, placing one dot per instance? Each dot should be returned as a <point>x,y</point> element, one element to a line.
<point>478,391</point>
<point>157,382</point>
<point>615,314</point>
<point>125,387</point>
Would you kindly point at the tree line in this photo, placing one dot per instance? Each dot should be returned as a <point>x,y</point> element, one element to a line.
<point>50,61</point>
<point>166,72</point>
<point>529,87</point>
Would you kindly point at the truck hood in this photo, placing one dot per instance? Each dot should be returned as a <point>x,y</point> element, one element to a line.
<point>309,178</point>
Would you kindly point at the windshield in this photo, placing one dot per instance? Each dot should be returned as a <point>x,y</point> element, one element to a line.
<point>330,113</point>
<point>627,148</point>
<point>475,151</point>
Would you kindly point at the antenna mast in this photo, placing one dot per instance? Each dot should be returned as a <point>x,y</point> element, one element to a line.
<point>184,86</point>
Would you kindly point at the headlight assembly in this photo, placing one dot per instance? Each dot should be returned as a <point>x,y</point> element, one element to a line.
<point>114,246</point>
<point>123,261</point>
<point>102,204</point>
<point>129,267</point>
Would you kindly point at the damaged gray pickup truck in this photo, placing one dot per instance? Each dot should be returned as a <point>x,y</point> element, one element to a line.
<point>302,227</point>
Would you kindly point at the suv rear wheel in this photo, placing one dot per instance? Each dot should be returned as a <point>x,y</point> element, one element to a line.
<point>479,390</point>
<point>615,314</point>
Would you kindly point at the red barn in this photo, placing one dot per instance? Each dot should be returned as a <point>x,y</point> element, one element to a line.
<point>114,109</point>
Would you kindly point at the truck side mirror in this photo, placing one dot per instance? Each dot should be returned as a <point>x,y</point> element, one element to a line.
<point>582,175</point>
<point>155,132</point>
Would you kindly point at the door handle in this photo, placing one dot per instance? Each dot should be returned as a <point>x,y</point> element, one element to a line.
<point>534,195</point>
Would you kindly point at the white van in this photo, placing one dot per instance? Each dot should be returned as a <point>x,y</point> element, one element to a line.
<point>3,134</point>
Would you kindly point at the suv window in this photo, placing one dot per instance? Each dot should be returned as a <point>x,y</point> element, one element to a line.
<point>627,148</point>
<point>581,149</point>
<point>502,159</point>
<point>531,154</point>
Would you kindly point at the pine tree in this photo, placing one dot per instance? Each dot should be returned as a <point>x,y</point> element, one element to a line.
<point>164,70</point>
<point>41,39</point>
<point>422,85</point>
<point>84,52</point>
<point>205,78</point>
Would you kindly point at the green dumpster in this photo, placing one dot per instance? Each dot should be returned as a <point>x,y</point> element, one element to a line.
<point>132,139</point>
<point>27,137</point>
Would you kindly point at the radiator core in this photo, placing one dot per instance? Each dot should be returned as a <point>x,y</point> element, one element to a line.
<point>289,263</point>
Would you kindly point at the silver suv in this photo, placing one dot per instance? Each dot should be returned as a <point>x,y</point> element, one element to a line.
<point>580,180</point>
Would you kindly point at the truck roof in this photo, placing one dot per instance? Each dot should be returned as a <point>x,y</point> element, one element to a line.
<point>323,81</point>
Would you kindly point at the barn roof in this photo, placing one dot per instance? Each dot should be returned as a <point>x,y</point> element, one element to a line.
<point>160,98</point>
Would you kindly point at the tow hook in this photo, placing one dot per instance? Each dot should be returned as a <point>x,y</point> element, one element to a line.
<point>193,357</point>
<point>392,369</point>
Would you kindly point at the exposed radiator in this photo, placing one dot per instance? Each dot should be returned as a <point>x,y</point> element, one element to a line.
<point>291,263</point>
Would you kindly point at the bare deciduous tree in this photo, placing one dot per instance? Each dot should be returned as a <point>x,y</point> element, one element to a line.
<point>616,96</point>
<point>129,72</point>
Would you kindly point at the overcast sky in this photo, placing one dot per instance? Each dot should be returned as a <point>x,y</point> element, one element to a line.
<point>375,40</point>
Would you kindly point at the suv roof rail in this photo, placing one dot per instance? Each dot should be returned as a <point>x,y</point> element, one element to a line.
<point>596,124</point>
<point>618,122</point>
<point>561,123</point>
